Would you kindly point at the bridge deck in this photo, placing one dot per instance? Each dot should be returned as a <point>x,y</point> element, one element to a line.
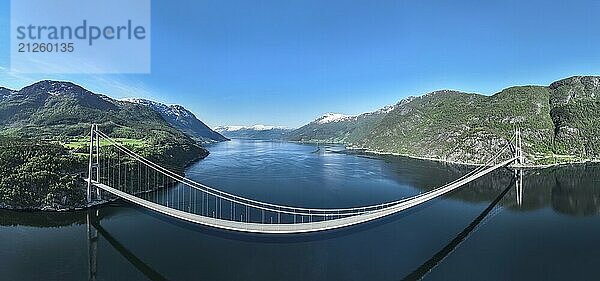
<point>304,227</point>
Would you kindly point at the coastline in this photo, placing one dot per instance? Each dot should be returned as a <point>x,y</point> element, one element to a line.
<point>368,151</point>
<point>94,203</point>
<point>526,166</point>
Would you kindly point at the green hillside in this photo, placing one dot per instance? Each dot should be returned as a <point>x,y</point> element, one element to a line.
<point>559,123</point>
<point>464,127</point>
<point>62,111</point>
<point>52,119</point>
<point>575,110</point>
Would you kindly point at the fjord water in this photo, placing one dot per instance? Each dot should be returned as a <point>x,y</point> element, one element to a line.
<point>484,231</point>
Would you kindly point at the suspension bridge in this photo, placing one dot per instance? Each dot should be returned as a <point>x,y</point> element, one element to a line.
<point>118,170</point>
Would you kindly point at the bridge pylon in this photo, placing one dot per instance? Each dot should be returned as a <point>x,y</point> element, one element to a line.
<point>94,163</point>
<point>519,162</point>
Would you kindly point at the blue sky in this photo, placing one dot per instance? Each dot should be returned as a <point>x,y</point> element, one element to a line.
<point>287,62</point>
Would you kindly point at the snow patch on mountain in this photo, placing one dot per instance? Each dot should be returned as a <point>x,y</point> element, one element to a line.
<point>182,119</point>
<point>332,117</point>
<point>172,110</point>
<point>337,117</point>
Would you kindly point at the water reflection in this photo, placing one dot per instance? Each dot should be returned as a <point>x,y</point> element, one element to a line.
<point>577,190</point>
<point>436,259</point>
<point>519,186</point>
<point>571,190</point>
<point>94,228</point>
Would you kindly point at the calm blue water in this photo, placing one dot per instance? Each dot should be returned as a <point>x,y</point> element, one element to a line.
<point>551,234</point>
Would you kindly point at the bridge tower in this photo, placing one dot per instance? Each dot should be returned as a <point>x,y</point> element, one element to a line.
<point>520,160</point>
<point>94,163</point>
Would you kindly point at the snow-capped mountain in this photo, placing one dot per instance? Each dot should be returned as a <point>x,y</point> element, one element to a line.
<point>337,127</point>
<point>182,119</point>
<point>332,117</point>
<point>232,128</point>
<point>264,132</point>
<point>338,117</point>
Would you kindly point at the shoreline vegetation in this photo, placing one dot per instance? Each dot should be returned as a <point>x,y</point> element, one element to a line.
<point>48,175</point>
<point>525,166</point>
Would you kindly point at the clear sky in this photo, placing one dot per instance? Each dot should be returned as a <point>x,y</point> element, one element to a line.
<point>287,62</point>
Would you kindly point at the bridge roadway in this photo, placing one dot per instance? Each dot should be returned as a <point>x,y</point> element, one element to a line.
<point>304,227</point>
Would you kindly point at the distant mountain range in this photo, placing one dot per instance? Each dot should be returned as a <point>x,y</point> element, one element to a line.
<point>560,123</point>
<point>254,132</point>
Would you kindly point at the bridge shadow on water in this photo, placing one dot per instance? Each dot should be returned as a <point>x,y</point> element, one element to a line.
<point>140,265</point>
<point>438,257</point>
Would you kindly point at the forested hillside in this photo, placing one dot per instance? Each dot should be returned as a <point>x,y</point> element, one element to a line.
<point>560,123</point>
<point>36,175</point>
<point>44,129</point>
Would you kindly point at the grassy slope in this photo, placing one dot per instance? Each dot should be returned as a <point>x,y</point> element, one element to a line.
<point>79,143</point>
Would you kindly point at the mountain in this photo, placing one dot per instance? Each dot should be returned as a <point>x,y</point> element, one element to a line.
<point>575,112</point>
<point>464,127</point>
<point>258,132</point>
<point>57,110</point>
<point>183,120</point>
<point>559,123</point>
<point>4,92</point>
<point>340,128</point>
